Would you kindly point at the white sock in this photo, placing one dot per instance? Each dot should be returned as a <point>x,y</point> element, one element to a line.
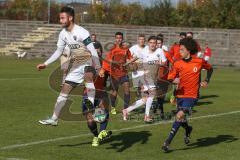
<point>148,105</point>
<point>137,104</point>
<point>90,91</point>
<point>61,101</point>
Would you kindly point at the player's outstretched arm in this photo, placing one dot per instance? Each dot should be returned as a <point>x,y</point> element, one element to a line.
<point>209,69</point>
<point>53,58</point>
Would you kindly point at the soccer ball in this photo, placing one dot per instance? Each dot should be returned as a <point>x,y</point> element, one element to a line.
<point>99,115</point>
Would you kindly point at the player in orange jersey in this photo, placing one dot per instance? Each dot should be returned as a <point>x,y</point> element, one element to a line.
<point>114,61</point>
<point>188,69</point>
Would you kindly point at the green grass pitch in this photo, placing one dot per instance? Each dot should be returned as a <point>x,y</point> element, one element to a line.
<point>25,97</point>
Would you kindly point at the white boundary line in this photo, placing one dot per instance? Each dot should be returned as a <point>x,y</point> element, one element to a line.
<point>116,130</point>
<point>8,158</point>
<point>15,79</point>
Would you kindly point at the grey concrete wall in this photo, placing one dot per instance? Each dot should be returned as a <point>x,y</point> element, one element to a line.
<point>224,43</point>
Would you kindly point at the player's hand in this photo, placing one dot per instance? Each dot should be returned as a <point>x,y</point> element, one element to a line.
<point>101,73</point>
<point>41,66</point>
<point>176,81</point>
<point>204,84</point>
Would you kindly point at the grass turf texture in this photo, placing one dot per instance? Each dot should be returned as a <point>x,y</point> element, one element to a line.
<point>26,97</point>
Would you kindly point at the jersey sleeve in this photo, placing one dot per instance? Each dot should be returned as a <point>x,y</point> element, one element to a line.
<point>171,52</point>
<point>85,36</point>
<point>129,55</point>
<point>162,57</point>
<point>206,65</point>
<point>60,48</point>
<point>132,51</point>
<point>173,72</point>
<point>106,62</point>
<point>169,57</point>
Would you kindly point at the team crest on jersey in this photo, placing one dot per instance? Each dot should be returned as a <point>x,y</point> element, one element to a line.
<point>158,55</point>
<point>195,69</point>
<point>75,38</point>
<point>74,46</point>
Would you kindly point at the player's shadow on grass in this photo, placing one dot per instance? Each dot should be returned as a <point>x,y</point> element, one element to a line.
<point>204,103</point>
<point>209,141</point>
<point>125,140</point>
<point>209,96</point>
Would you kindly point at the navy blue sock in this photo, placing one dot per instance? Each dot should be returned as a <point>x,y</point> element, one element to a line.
<point>160,101</point>
<point>104,124</point>
<point>113,100</point>
<point>185,125</point>
<point>173,131</point>
<point>126,100</point>
<point>93,127</point>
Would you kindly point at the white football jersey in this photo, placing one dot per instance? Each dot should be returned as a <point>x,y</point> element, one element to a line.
<point>165,48</point>
<point>151,61</point>
<point>75,41</point>
<point>136,52</point>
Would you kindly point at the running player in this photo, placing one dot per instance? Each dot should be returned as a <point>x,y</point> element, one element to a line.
<point>83,57</point>
<point>188,69</point>
<point>137,75</point>
<point>152,57</point>
<point>113,63</point>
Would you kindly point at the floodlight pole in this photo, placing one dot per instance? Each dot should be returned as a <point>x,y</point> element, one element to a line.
<point>49,10</point>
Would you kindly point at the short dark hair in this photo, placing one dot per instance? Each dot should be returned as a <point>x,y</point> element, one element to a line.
<point>160,38</point>
<point>118,33</point>
<point>152,38</point>
<point>69,10</point>
<point>93,34</point>
<point>183,34</point>
<point>160,35</point>
<point>190,44</point>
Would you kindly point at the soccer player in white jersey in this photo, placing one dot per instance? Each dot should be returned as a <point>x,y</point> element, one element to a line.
<point>152,57</point>
<point>136,50</point>
<point>83,56</point>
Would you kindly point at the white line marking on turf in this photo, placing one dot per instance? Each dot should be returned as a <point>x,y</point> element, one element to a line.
<point>116,130</point>
<point>7,158</point>
<point>14,79</point>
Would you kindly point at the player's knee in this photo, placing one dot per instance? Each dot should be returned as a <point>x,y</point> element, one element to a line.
<point>180,116</point>
<point>89,118</point>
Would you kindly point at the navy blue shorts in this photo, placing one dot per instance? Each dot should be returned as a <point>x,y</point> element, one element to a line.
<point>186,104</point>
<point>116,82</point>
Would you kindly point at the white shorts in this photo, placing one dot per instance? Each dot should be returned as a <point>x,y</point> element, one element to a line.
<point>137,78</point>
<point>76,75</point>
<point>149,83</point>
